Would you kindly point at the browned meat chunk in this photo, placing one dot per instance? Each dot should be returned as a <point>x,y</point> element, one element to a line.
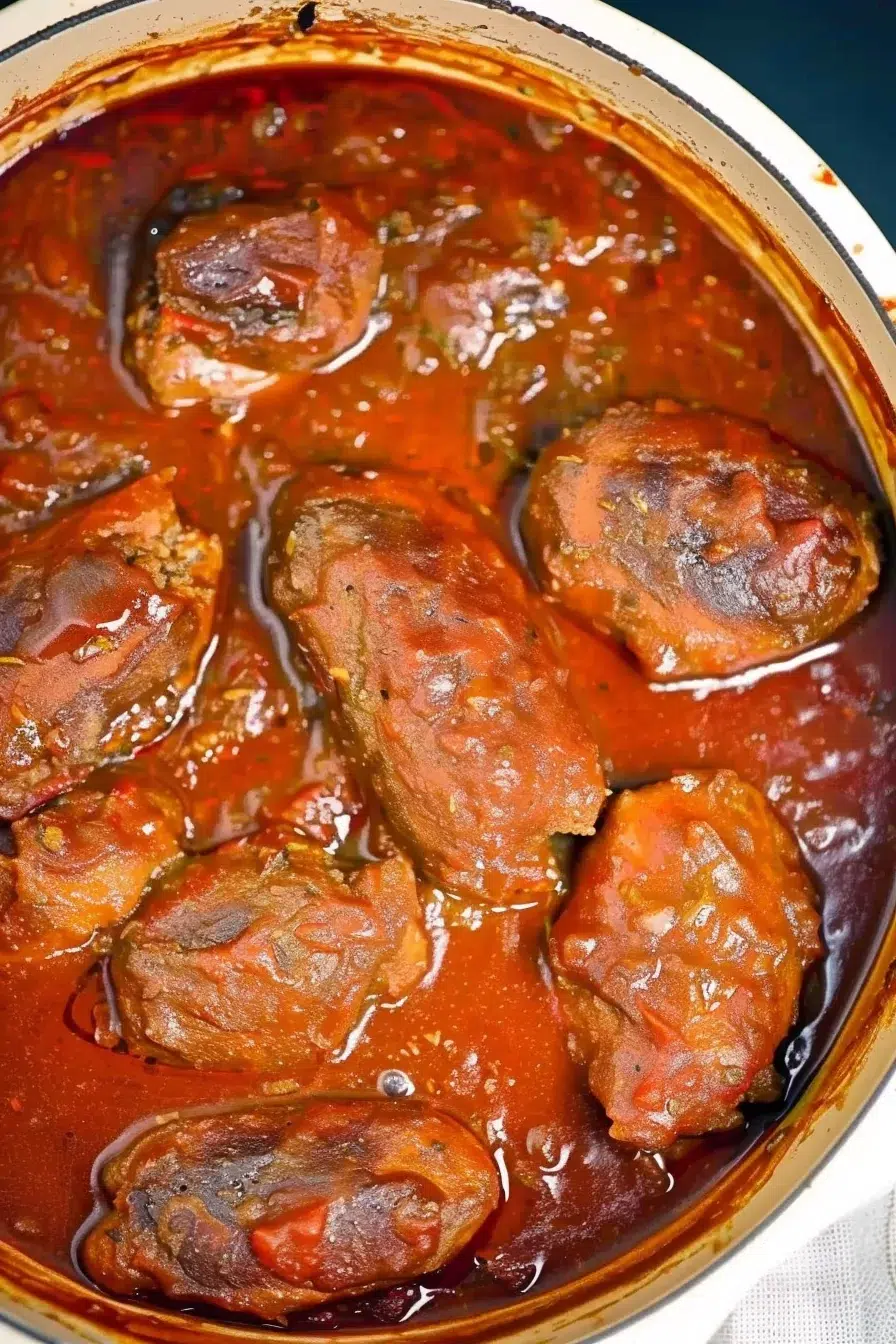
<point>681,954</point>
<point>282,1207</point>
<point>104,616</point>
<point>243,294</point>
<point>82,864</point>
<point>703,542</point>
<point>262,956</point>
<point>445,675</point>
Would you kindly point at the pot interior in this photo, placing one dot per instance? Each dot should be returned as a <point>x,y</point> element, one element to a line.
<point>832,781</point>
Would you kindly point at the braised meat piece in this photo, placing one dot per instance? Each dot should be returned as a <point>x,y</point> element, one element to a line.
<point>104,616</point>
<point>444,672</point>
<point>238,296</point>
<point>282,1207</point>
<point>703,542</point>
<point>82,865</point>
<point>681,954</point>
<point>261,955</point>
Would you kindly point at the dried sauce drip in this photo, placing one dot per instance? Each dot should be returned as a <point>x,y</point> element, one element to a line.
<point>512,278</point>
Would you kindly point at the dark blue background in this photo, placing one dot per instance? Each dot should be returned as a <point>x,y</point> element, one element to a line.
<point>827,67</point>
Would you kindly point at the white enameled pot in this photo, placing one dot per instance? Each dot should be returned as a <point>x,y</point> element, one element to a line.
<point>806,233</point>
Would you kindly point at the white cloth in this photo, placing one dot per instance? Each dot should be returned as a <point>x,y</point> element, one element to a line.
<point>840,1289</point>
<point>749,1292</point>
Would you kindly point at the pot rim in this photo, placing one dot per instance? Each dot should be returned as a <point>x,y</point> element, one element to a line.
<point>827,203</point>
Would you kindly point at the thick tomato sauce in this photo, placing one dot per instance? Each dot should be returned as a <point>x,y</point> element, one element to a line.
<point>633,296</point>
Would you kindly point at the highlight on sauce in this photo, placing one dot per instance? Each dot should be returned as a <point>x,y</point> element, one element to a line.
<point>446,702</point>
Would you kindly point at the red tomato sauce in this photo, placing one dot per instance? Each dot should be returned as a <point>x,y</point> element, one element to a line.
<point>634,296</point>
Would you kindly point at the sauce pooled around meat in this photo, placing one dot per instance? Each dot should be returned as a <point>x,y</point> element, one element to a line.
<point>446,703</point>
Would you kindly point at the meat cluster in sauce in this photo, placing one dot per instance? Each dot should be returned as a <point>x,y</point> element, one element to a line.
<point>320,719</point>
<point>81,865</point>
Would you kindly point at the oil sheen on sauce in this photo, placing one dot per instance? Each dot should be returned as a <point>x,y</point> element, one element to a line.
<point>631,295</point>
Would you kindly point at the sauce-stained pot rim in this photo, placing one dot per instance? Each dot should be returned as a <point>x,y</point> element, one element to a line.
<point>568,1320</point>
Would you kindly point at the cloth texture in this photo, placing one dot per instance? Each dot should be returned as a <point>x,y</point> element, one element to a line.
<point>838,1289</point>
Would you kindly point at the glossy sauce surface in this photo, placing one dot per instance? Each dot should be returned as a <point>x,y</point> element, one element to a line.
<point>533,276</point>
